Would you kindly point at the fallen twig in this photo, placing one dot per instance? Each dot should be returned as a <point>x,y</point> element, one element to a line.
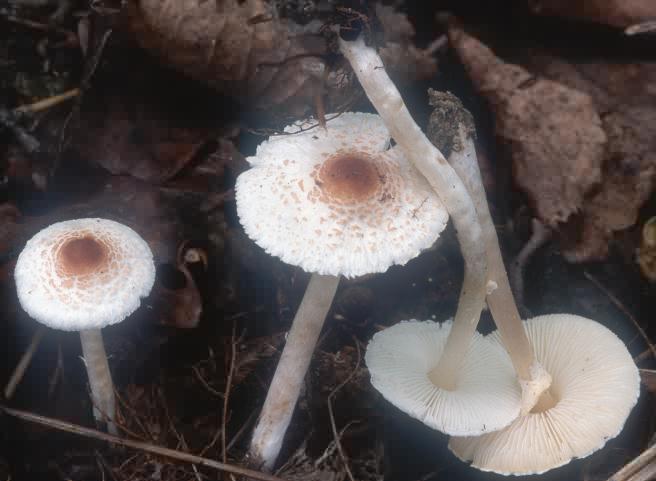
<point>71,38</point>
<point>640,466</point>
<point>149,448</point>
<point>24,363</point>
<point>333,426</point>
<point>539,236</point>
<point>47,103</point>
<point>226,396</point>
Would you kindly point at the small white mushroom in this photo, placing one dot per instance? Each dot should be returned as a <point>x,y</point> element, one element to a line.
<point>83,275</point>
<point>336,202</point>
<point>595,386</point>
<point>486,398</point>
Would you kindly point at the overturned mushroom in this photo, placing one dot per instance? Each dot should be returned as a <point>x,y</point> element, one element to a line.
<point>83,275</point>
<point>401,357</point>
<point>595,386</point>
<point>334,201</point>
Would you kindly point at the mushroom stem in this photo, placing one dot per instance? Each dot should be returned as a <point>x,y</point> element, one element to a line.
<point>287,381</point>
<point>387,100</point>
<point>533,378</point>
<point>100,378</point>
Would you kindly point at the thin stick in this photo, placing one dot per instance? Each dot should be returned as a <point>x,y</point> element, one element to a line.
<point>226,396</point>
<point>24,363</point>
<point>539,236</point>
<point>45,104</point>
<point>428,160</point>
<point>628,472</point>
<point>621,307</point>
<point>333,426</point>
<point>146,447</point>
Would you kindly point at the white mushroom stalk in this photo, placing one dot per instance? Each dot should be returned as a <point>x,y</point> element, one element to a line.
<point>336,202</point>
<point>387,100</point>
<point>287,381</point>
<point>83,275</point>
<point>533,378</point>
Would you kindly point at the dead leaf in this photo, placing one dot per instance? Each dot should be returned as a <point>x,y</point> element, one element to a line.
<point>629,167</point>
<point>617,13</point>
<point>399,54</point>
<point>264,63</point>
<point>135,130</point>
<point>553,131</point>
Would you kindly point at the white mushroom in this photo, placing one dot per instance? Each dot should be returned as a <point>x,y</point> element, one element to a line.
<point>595,386</point>
<point>334,201</point>
<point>83,275</point>
<point>401,357</point>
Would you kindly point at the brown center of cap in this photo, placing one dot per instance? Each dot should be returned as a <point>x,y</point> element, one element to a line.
<point>349,177</point>
<point>82,255</point>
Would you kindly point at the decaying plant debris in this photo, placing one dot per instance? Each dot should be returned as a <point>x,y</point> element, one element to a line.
<point>148,130</point>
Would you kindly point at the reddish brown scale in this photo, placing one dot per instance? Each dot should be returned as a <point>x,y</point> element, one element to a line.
<point>82,255</point>
<point>349,177</point>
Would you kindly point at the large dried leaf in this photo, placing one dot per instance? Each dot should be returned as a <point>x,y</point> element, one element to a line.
<point>553,131</point>
<point>399,53</point>
<point>618,13</point>
<point>629,168</point>
<point>138,128</point>
<point>242,48</point>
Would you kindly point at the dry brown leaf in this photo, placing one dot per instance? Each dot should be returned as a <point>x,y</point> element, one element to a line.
<point>617,13</point>
<point>240,47</point>
<point>553,131</point>
<point>629,167</point>
<point>399,54</point>
<point>132,129</point>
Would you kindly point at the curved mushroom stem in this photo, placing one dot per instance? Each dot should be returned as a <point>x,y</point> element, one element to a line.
<point>533,378</point>
<point>100,379</point>
<point>288,379</point>
<point>387,100</point>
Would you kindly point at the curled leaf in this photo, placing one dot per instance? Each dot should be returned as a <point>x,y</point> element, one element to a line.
<point>553,131</point>
<point>241,48</point>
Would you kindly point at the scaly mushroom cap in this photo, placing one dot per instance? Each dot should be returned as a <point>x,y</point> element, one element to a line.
<point>338,200</point>
<point>83,274</point>
<point>487,395</point>
<point>595,386</point>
